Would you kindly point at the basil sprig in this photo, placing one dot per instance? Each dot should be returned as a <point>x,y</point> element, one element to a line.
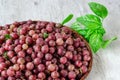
<point>90,26</point>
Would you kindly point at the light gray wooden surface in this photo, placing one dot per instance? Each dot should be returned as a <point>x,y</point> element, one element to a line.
<point>106,65</point>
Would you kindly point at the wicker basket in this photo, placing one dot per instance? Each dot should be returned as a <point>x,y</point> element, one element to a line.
<point>87,45</point>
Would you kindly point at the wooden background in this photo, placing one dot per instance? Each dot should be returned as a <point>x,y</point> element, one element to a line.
<point>106,65</point>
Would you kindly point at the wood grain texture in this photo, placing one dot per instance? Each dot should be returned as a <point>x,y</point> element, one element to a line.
<point>106,64</point>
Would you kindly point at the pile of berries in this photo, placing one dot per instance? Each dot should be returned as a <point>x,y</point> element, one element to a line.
<point>39,50</point>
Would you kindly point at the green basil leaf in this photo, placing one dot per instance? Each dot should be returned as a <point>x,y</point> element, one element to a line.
<point>7,36</point>
<point>98,9</point>
<point>77,27</point>
<point>67,19</point>
<point>95,42</point>
<point>90,21</point>
<point>101,30</point>
<point>107,42</point>
<point>88,33</point>
<point>82,32</point>
<point>45,35</point>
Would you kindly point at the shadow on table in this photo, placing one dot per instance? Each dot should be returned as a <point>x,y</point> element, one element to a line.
<point>97,72</point>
